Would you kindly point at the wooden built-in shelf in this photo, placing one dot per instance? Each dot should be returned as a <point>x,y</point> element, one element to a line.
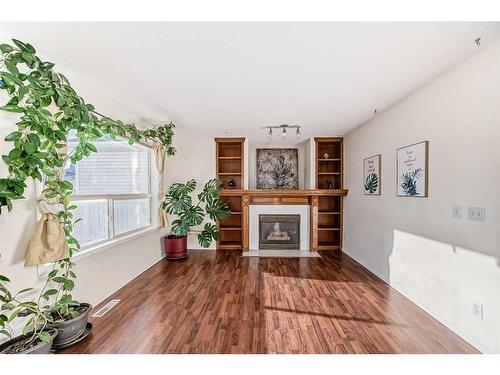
<point>328,247</point>
<point>229,155</point>
<point>327,235</point>
<point>229,169</point>
<point>325,201</point>
<point>227,245</point>
<point>329,156</point>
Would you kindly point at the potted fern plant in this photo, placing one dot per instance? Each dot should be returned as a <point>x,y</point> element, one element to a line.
<point>189,214</point>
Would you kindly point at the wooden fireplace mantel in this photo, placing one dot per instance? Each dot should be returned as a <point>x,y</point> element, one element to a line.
<point>325,205</point>
<point>285,192</point>
<point>283,197</point>
<point>275,196</point>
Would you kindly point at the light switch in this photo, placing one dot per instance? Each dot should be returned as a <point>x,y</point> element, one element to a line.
<point>457,212</point>
<point>477,213</point>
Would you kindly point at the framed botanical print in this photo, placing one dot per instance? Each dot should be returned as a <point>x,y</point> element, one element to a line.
<point>412,170</point>
<point>371,175</point>
<point>277,168</point>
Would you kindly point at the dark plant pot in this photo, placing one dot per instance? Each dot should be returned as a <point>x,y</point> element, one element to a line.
<point>69,330</point>
<point>41,348</point>
<point>174,247</point>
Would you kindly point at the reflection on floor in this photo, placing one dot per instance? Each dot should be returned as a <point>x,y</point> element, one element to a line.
<point>224,303</point>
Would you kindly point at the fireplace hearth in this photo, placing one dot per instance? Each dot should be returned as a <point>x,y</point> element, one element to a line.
<point>279,232</point>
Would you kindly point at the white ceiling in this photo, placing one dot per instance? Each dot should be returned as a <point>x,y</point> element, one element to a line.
<point>233,78</point>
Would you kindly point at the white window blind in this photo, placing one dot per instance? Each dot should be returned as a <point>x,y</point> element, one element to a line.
<point>112,190</point>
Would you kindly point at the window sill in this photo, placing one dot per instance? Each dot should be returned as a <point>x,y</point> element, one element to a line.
<point>92,250</point>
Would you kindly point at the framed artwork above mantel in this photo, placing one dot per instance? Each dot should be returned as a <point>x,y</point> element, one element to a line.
<point>277,168</point>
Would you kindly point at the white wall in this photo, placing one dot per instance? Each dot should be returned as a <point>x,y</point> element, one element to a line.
<point>195,158</point>
<point>442,264</point>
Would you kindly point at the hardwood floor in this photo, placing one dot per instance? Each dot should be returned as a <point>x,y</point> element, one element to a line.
<point>223,303</point>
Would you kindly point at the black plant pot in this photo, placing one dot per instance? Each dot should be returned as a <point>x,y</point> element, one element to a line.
<point>42,347</point>
<point>69,330</point>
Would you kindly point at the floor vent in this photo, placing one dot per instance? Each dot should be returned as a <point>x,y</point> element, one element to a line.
<point>103,310</point>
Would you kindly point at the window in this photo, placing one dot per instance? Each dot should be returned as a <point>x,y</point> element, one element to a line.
<point>112,189</point>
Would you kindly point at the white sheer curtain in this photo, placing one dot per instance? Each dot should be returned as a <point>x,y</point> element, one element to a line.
<point>159,152</point>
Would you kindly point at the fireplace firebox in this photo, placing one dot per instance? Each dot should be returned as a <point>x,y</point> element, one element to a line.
<point>279,232</point>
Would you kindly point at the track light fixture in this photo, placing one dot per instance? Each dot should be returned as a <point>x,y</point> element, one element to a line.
<point>284,128</point>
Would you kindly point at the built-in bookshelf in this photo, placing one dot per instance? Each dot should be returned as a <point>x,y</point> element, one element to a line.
<point>232,228</point>
<point>230,161</point>
<point>329,169</point>
<point>329,175</point>
<point>229,167</point>
<point>329,223</point>
<point>325,200</point>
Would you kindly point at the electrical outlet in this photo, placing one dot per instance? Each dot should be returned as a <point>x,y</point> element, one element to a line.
<point>457,212</point>
<point>477,310</point>
<point>477,213</point>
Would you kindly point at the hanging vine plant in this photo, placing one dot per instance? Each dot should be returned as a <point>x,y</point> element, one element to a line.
<point>49,109</point>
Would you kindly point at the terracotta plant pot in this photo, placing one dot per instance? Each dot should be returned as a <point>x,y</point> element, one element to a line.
<point>174,247</point>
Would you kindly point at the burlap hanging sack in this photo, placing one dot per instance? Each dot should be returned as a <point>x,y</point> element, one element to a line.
<point>48,244</point>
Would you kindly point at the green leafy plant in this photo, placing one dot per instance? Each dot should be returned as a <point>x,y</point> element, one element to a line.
<point>12,306</point>
<point>49,109</point>
<point>409,184</point>
<point>371,183</point>
<point>178,201</point>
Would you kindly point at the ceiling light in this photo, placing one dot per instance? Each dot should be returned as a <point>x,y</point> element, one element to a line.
<point>284,128</point>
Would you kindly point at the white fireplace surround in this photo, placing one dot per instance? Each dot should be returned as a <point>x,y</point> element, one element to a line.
<point>253,221</point>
